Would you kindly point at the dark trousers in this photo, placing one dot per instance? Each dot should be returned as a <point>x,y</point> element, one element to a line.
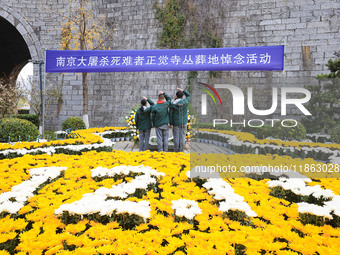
<point>144,136</point>
<point>162,134</point>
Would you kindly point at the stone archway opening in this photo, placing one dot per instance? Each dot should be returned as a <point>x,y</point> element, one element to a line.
<point>14,52</point>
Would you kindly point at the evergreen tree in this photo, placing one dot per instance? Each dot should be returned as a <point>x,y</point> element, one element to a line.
<point>325,101</point>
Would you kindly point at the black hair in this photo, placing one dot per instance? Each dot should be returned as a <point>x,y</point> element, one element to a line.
<point>179,94</point>
<point>143,103</point>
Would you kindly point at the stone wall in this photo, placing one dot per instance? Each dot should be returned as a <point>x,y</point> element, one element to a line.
<point>309,29</point>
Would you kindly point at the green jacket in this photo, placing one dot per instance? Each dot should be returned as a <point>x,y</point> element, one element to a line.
<point>179,110</point>
<point>160,113</point>
<point>143,119</point>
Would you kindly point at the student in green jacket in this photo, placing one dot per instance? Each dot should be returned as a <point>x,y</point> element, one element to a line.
<point>160,120</point>
<point>179,118</point>
<point>143,123</point>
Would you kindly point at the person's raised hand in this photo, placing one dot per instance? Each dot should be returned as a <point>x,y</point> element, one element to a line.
<point>145,98</point>
<point>180,89</point>
<point>161,92</point>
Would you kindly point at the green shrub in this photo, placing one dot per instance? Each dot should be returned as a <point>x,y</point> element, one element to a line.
<point>264,132</point>
<point>50,135</point>
<point>73,122</point>
<point>14,127</point>
<point>336,134</point>
<point>23,111</point>
<point>259,132</point>
<point>289,133</point>
<point>30,117</point>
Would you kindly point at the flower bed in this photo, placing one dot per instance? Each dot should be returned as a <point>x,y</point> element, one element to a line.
<point>247,137</point>
<point>117,135</point>
<point>66,149</point>
<point>241,142</point>
<point>176,214</point>
<point>87,140</point>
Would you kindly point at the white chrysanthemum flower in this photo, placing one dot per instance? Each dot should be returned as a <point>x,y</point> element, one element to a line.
<point>96,202</point>
<point>186,208</point>
<point>314,209</point>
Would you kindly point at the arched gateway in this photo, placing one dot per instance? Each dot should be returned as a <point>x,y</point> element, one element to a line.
<point>18,43</point>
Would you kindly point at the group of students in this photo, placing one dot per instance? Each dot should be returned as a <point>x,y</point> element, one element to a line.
<point>164,114</point>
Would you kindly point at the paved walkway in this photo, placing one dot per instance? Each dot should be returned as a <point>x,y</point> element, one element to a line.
<point>193,147</point>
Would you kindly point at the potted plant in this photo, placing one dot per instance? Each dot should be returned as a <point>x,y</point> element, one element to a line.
<point>127,135</point>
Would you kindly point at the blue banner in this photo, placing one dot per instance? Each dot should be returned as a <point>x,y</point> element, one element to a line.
<point>266,58</point>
